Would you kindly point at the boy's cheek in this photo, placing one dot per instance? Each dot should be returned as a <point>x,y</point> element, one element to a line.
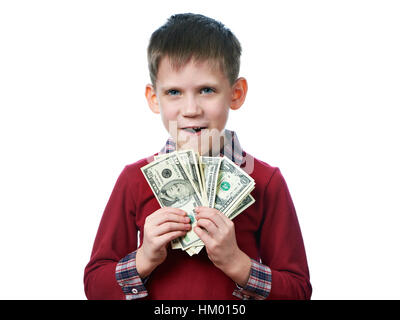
<point>170,124</point>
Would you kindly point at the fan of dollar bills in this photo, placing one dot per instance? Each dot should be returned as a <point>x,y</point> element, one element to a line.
<point>183,179</point>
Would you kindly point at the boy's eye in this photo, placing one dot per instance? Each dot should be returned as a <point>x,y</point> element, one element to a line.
<point>207,90</point>
<point>173,92</point>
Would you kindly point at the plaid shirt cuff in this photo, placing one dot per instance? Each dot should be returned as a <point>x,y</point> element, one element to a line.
<point>258,286</point>
<point>129,279</point>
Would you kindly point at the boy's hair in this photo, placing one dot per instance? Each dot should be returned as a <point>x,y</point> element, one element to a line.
<point>185,36</point>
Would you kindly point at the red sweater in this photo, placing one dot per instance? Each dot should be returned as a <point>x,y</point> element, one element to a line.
<point>267,231</point>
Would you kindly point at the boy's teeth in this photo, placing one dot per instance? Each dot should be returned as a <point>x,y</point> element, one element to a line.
<point>196,129</point>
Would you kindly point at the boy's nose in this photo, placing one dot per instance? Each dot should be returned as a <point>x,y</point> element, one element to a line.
<point>191,107</point>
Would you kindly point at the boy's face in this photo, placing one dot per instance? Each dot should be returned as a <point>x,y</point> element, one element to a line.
<point>194,103</point>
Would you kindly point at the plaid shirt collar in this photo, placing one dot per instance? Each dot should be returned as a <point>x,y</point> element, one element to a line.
<point>231,149</point>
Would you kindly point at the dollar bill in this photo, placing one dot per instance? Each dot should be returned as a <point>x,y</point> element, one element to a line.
<point>186,180</point>
<point>233,186</point>
<point>173,188</point>
<point>201,170</point>
<point>189,161</point>
<point>233,190</point>
<point>243,205</point>
<point>194,250</point>
<point>175,244</point>
<point>211,167</point>
<point>191,165</point>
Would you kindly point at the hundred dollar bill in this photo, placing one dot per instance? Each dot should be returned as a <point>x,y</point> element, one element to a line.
<point>173,188</point>
<point>211,167</point>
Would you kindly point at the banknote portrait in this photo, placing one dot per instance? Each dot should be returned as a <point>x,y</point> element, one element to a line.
<point>176,193</point>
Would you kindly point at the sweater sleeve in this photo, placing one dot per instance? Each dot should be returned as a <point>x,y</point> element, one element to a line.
<point>116,238</point>
<point>281,243</point>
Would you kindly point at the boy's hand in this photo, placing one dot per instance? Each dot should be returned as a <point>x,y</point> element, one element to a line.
<point>160,228</point>
<point>220,241</point>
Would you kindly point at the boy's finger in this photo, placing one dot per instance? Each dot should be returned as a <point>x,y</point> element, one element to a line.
<point>203,235</point>
<point>170,217</point>
<point>211,213</point>
<point>160,212</point>
<point>174,210</point>
<point>209,225</point>
<point>171,227</point>
<point>168,237</point>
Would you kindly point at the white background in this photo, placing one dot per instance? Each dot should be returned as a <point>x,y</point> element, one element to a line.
<point>323,105</point>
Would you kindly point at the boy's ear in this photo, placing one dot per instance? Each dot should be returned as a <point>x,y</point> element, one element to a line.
<point>151,97</point>
<point>239,91</point>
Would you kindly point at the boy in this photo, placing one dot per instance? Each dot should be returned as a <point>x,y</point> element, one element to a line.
<point>194,64</point>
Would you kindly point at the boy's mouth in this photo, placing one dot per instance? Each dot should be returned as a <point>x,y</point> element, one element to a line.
<point>193,130</point>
